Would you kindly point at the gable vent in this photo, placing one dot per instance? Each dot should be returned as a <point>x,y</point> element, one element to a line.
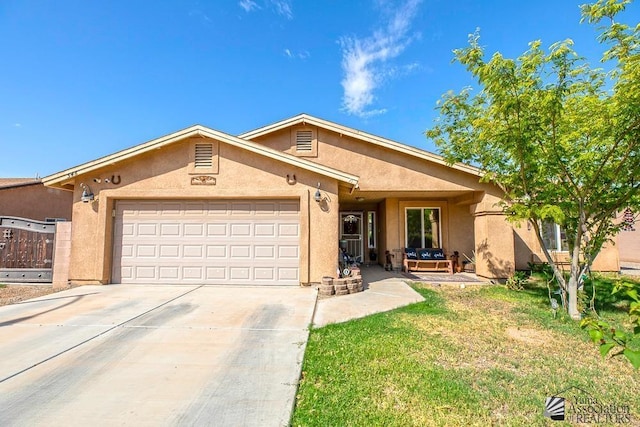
<point>304,140</point>
<point>204,156</point>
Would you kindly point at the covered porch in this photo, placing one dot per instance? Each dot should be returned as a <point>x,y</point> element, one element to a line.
<point>372,224</point>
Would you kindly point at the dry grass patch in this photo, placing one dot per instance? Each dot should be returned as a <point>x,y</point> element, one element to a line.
<point>474,356</point>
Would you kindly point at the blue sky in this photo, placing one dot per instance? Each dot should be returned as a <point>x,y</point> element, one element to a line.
<point>82,79</point>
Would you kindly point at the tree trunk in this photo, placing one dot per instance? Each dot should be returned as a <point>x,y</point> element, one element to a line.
<point>574,279</point>
<point>573,298</point>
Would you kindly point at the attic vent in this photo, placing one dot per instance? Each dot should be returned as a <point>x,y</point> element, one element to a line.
<point>204,156</point>
<point>304,140</point>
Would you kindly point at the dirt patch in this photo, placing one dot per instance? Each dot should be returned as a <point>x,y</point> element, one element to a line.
<point>530,336</point>
<point>11,294</point>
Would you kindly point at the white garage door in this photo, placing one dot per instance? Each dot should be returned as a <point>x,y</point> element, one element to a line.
<point>211,242</point>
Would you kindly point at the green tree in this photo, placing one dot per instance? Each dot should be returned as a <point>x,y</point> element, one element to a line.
<point>559,137</point>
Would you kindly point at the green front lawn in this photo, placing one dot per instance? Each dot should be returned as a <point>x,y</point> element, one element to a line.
<point>480,356</point>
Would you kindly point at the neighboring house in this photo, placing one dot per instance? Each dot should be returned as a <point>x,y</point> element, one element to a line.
<point>272,206</point>
<point>29,217</point>
<point>29,198</point>
<point>629,238</point>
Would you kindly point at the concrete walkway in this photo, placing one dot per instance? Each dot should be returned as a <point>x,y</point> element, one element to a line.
<point>384,291</point>
<point>630,268</point>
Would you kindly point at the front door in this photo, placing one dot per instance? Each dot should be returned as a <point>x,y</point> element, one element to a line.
<point>351,234</point>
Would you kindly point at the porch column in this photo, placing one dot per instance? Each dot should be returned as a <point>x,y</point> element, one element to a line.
<point>495,245</point>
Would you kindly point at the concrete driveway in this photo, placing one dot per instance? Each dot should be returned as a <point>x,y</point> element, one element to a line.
<point>154,355</point>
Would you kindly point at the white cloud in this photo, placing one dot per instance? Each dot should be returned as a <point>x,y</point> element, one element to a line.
<point>303,54</point>
<point>281,7</point>
<point>248,5</point>
<point>365,62</point>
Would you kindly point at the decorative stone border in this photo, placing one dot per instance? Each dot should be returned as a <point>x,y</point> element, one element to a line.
<point>342,286</point>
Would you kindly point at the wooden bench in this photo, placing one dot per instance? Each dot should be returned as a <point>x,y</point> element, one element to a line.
<point>426,260</point>
<point>560,259</point>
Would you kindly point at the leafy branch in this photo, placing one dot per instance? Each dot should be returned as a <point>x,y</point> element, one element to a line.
<point>608,338</point>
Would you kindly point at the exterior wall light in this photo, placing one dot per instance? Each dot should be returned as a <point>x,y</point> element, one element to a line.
<point>87,195</point>
<point>318,197</point>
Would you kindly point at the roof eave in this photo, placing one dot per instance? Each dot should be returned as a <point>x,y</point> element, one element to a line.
<point>354,133</point>
<point>61,178</point>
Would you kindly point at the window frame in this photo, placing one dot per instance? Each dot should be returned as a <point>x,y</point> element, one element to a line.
<point>422,209</point>
<point>371,229</point>
<point>557,237</point>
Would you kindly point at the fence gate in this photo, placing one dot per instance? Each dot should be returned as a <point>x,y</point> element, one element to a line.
<point>26,250</point>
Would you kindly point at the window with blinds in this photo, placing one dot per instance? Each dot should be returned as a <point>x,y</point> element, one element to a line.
<point>203,156</point>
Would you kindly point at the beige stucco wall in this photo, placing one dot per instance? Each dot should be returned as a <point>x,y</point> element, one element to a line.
<point>165,174</point>
<point>461,234</point>
<point>379,168</point>
<point>36,202</point>
<point>628,243</point>
<point>494,240</point>
<point>399,181</point>
<point>473,219</point>
<point>528,250</point>
<point>390,182</point>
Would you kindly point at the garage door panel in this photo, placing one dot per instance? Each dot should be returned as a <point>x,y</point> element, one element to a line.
<point>218,209</point>
<point>241,208</point>
<point>145,272</point>
<point>288,209</point>
<point>240,230</point>
<point>266,209</point>
<point>170,230</point>
<point>146,251</point>
<point>291,252</point>
<point>217,251</point>
<point>170,208</point>
<point>240,273</point>
<point>216,242</point>
<point>265,230</point>
<point>288,230</point>
<point>127,251</point>
<point>240,251</point>
<point>147,230</point>
<point>192,251</point>
<point>219,230</point>
<point>128,230</point>
<point>197,209</point>
<point>193,273</point>
<point>285,273</point>
<point>126,273</point>
<point>193,230</point>
<point>169,251</point>
<point>168,273</point>
<point>216,274</point>
<point>264,273</point>
<point>265,252</point>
